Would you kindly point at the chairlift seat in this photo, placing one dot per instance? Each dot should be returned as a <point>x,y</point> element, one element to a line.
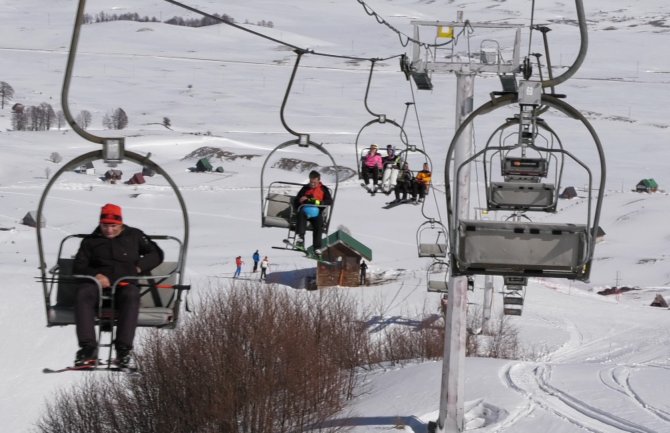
<point>522,196</point>
<point>512,300</point>
<point>521,249</point>
<point>512,311</point>
<point>438,286</point>
<point>515,281</point>
<point>433,250</point>
<point>279,211</point>
<point>156,296</point>
<point>533,167</point>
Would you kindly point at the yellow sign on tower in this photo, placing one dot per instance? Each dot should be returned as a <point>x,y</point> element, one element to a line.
<point>445,32</point>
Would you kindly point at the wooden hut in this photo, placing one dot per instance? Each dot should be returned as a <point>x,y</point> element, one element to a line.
<point>341,259</point>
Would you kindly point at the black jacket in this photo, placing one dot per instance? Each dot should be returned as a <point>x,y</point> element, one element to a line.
<point>117,257</point>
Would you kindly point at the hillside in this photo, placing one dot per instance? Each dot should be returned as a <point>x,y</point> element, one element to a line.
<point>594,363</point>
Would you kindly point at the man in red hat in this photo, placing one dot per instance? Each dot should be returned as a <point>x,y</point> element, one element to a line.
<point>112,252</point>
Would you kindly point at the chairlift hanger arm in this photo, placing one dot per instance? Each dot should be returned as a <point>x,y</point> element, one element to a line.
<point>65,91</point>
<point>583,46</point>
<point>299,54</point>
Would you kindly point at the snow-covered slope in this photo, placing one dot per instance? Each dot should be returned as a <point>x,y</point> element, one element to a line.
<point>598,361</point>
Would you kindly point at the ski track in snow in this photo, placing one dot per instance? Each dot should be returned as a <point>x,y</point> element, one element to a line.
<point>618,379</point>
<point>532,381</point>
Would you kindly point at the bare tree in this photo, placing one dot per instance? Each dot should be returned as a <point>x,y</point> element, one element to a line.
<point>48,116</point>
<point>19,119</point>
<point>84,119</point>
<point>119,119</point>
<point>6,93</point>
<point>166,122</point>
<point>60,119</point>
<point>34,114</point>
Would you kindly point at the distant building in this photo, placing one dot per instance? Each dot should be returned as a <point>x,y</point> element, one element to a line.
<point>30,219</point>
<point>342,255</point>
<point>568,193</point>
<point>661,301</point>
<point>647,185</point>
<point>86,168</point>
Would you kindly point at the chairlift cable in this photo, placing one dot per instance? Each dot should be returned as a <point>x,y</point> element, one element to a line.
<point>532,18</point>
<point>423,145</point>
<point>368,10</point>
<point>270,38</point>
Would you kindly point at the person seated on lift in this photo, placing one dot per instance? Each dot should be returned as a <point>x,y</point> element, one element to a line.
<point>421,184</point>
<point>309,204</point>
<point>113,251</point>
<point>372,166</point>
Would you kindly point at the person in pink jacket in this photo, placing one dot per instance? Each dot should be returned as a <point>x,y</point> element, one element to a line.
<point>372,165</point>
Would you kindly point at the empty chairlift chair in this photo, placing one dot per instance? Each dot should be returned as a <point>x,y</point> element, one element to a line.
<point>437,276</point>
<point>431,239</point>
<point>520,248</point>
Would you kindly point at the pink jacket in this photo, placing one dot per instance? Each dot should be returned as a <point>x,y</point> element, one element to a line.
<point>373,160</point>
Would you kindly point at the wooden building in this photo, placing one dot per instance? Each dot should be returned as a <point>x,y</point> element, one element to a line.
<point>341,259</point>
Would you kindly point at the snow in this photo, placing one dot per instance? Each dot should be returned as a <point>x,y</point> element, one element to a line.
<point>595,363</point>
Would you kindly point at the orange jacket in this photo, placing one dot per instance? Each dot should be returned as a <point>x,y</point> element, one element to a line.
<point>424,177</point>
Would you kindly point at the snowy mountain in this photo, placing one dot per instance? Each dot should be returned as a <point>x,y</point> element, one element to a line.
<point>595,363</point>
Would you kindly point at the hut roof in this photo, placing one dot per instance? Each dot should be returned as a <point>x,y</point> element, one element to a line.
<point>341,237</point>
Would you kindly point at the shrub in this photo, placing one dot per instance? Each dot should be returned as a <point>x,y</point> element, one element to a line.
<point>249,361</point>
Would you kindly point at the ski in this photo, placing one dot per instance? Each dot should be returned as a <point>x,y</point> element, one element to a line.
<point>371,191</point>
<point>392,204</point>
<point>102,366</point>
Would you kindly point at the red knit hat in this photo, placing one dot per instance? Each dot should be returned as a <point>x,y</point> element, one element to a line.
<point>111,214</point>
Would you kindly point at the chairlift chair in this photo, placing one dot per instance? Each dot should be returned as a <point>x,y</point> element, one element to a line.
<point>437,276</point>
<point>520,187</point>
<point>277,197</point>
<point>378,118</point>
<point>513,300</point>
<point>162,291</point>
<point>431,239</point>
<point>559,250</point>
<point>161,296</point>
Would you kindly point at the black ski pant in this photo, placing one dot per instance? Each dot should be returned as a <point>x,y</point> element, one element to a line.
<point>317,226</point>
<point>420,189</point>
<point>401,187</point>
<point>367,171</point>
<point>255,266</point>
<point>126,303</point>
